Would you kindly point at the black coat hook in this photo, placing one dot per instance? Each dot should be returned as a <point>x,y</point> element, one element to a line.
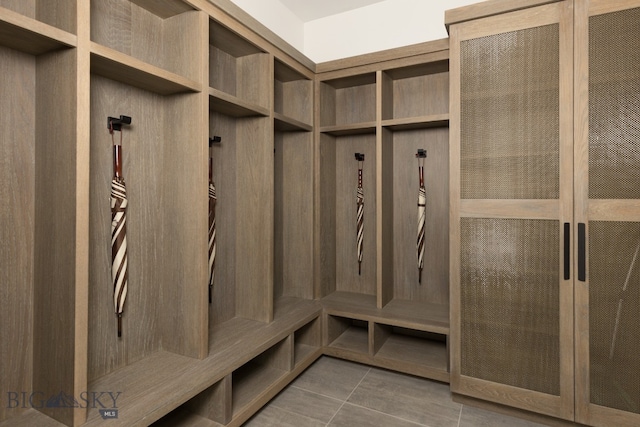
<point>421,154</point>
<point>214,140</point>
<point>360,157</point>
<point>114,124</point>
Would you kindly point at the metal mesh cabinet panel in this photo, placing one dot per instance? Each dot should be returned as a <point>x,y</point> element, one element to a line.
<point>614,246</point>
<point>614,314</point>
<point>509,108</point>
<point>614,105</point>
<point>509,283</point>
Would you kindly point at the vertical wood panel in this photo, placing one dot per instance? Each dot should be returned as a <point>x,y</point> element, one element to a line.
<point>55,208</point>
<point>254,227</point>
<point>327,215</point>
<point>387,243</point>
<point>17,175</point>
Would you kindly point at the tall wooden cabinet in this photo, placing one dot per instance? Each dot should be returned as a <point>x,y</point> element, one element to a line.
<point>544,207</point>
<point>607,205</point>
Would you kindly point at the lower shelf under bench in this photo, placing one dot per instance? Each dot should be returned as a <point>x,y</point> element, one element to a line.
<point>415,342</point>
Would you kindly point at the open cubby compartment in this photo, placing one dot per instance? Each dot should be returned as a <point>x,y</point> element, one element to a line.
<point>293,97</point>
<point>255,382</point>
<point>307,340</point>
<point>165,34</point>
<point>412,351</point>
<point>339,269</point>
<point>38,260</point>
<point>243,177</point>
<point>165,169</point>
<point>239,71</point>
<point>293,215</point>
<point>401,291</point>
<point>418,91</point>
<point>348,101</point>
<point>60,14</point>
<point>346,336</point>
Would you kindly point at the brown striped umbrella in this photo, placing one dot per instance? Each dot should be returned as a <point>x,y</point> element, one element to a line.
<point>422,204</point>
<point>119,273</point>
<point>212,221</point>
<point>360,211</point>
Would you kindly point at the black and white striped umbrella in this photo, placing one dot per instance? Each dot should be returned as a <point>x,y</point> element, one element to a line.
<point>360,212</point>
<point>119,273</point>
<point>212,232</point>
<point>422,204</point>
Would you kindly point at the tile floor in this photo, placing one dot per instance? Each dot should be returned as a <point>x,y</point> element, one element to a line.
<point>334,392</point>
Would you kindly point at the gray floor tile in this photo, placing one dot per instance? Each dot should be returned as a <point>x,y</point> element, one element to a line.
<point>407,397</point>
<point>309,404</point>
<point>476,417</point>
<point>332,377</point>
<point>271,416</point>
<point>356,416</point>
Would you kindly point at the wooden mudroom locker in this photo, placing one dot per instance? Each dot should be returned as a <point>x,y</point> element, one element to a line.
<point>194,212</point>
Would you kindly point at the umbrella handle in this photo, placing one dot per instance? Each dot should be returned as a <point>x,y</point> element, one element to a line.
<point>117,160</point>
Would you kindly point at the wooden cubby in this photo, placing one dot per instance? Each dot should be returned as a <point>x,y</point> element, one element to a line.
<point>346,337</point>
<point>248,373</point>
<point>239,95</point>
<point>348,104</point>
<point>238,74</point>
<point>144,36</point>
<point>38,142</point>
<point>416,96</point>
<point>387,110</point>
<point>293,180</point>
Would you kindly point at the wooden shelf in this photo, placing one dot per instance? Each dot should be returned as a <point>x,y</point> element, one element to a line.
<point>117,66</point>
<point>164,8</point>
<point>251,382</point>
<point>288,124</point>
<point>416,356</point>
<point>175,379</point>
<point>162,373</point>
<point>350,129</point>
<point>411,123</point>
<point>30,36</point>
<point>355,339</point>
<point>403,313</point>
<point>31,418</point>
<point>183,418</point>
<point>230,105</point>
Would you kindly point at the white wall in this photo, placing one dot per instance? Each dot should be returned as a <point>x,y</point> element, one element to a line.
<point>386,25</point>
<point>275,16</point>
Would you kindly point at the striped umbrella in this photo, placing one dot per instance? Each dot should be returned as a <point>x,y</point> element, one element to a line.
<point>360,211</point>
<point>212,222</point>
<point>422,203</point>
<point>119,273</point>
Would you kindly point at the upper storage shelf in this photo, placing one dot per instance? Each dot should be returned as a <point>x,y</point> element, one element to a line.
<point>238,74</point>
<point>293,105</point>
<point>416,96</point>
<point>148,44</point>
<point>348,104</point>
<point>26,34</point>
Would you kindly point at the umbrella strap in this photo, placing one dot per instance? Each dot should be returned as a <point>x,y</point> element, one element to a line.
<point>421,175</point>
<point>359,177</point>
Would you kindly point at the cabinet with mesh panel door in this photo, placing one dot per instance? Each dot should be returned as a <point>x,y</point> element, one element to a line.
<point>545,207</point>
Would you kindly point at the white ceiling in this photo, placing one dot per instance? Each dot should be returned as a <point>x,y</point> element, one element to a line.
<point>309,10</point>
